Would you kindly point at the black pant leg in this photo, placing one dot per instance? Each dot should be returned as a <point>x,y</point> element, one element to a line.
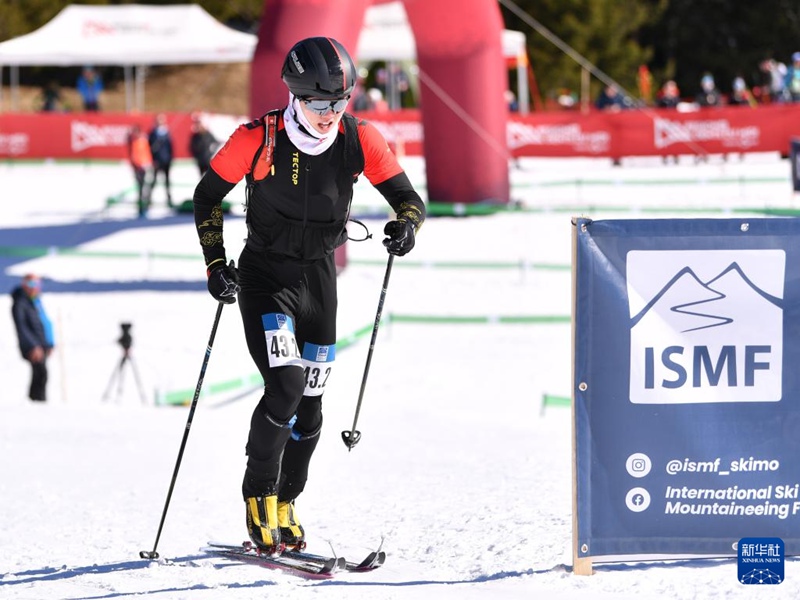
<point>38,389</point>
<point>317,328</point>
<point>299,449</point>
<point>141,188</point>
<point>167,168</point>
<point>265,446</point>
<point>268,289</point>
<point>307,295</point>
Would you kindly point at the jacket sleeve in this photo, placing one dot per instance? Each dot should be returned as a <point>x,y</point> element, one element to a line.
<point>228,167</point>
<point>402,197</point>
<point>208,196</point>
<point>25,333</point>
<point>386,174</point>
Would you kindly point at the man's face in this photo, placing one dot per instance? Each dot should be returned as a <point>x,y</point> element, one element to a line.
<point>32,285</point>
<point>329,119</point>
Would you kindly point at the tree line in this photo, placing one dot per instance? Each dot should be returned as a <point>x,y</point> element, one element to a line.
<point>675,39</point>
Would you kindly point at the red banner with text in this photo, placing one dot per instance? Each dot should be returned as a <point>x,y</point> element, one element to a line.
<point>643,132</point>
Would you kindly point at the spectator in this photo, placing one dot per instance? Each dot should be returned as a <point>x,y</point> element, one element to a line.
<point>141,161</point>
<point>669,96</point>
<point>161,149</point>
<point>34,332</point>
<point>776,89</point>
<point>90,86</point>
<point>740,95</point>
<point>376,100</point>
<point>611,99</point>
<point>793,79</point>
<point>566,98</point>
<point>359,101</point>
<point>50,98</point>
<point>202,144</point>
<point>709,94</point>
<point>395,85</point>
<point>511,101</point>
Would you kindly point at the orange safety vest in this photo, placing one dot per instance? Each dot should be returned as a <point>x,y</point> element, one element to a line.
<point>140,152</point>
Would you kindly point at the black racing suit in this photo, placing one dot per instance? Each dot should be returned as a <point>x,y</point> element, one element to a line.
<point>296,218</point>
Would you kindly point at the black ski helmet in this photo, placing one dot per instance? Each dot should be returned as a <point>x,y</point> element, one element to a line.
<point>319,67</point>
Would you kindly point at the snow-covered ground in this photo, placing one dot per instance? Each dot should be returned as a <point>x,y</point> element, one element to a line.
<point>459,470</point>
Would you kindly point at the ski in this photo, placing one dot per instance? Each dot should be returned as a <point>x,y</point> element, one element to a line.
<point>308,566</point>
<point>374,560</point>
<point>298,562</point>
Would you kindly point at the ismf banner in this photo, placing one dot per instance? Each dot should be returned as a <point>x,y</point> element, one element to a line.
<point>686,385</point>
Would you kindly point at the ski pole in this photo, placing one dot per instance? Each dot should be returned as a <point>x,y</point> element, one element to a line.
<point>152,554</point>
<point>351,438</point>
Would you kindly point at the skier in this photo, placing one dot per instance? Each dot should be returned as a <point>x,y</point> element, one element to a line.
<point>300,163</point>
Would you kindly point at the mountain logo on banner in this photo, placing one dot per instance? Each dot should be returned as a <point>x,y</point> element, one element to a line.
<point>705,325</point>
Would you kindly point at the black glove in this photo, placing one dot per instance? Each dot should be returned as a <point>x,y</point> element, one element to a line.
<point>401,237</point>
<point>223,281</point>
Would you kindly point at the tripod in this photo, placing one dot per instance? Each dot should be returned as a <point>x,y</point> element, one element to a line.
<point>117,375</point>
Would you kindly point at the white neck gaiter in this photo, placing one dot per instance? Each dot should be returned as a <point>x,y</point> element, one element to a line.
<point>303,135</point>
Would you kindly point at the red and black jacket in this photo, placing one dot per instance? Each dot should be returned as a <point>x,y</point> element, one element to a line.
<point>299,211</point>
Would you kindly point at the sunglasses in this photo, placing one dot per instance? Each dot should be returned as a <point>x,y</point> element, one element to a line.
<point>321,107</point>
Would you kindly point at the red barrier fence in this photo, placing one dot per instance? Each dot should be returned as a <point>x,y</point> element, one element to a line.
<point>563,133</point>
<point>647,132</point>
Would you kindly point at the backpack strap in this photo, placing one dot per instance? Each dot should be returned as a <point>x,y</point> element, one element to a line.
<point>353,152</point>
<point>262,166</point>
<point>353,161</point>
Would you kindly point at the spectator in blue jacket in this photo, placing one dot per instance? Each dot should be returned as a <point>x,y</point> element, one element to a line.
<point>612,99</point>
<point>793,79</point>
<point>34,332</point>
<point>90,86</point>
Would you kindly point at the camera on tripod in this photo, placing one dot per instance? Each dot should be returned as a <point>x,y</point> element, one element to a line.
<point>126,340</point>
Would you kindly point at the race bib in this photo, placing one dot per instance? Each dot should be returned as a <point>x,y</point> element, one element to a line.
<point>317,364</point>
<point>281,343</point>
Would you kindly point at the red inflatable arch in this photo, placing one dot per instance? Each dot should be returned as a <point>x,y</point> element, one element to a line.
<point>458,48</point>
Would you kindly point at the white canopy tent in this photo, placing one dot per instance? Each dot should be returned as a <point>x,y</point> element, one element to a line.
<point>130,36</point>
<point>136,35</point>
<point>387,36</point>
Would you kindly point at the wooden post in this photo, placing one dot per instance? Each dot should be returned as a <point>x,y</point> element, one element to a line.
<point>586,99</point>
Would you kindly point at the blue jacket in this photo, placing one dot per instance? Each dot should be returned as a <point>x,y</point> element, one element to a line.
<point>89,90</point>
<point>33,325</point>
